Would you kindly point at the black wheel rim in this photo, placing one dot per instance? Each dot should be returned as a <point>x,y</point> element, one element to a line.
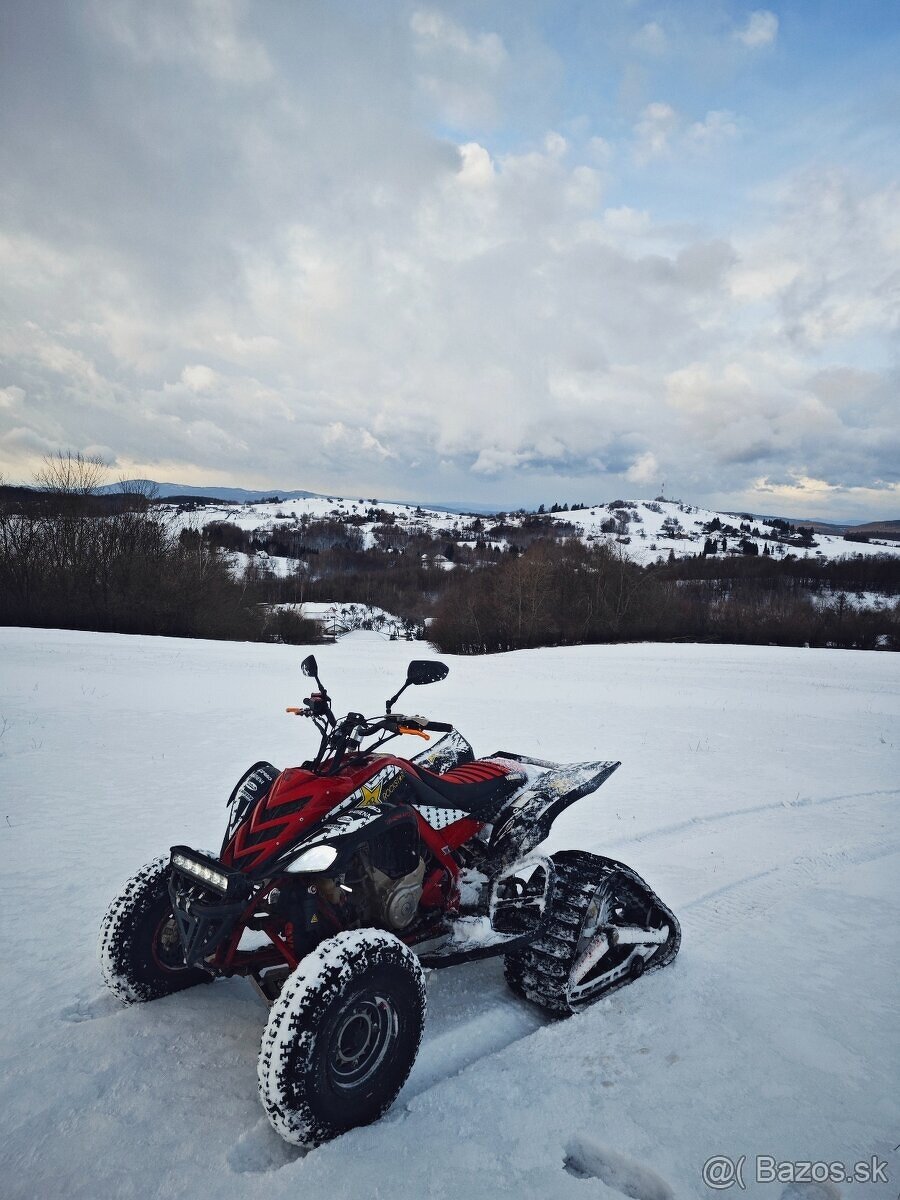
<point>363,1032</point>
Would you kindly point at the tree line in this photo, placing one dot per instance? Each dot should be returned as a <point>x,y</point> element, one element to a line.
<point>72,557</point>
<point>568,593</point>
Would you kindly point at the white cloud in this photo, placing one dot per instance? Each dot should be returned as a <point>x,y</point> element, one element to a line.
<point>105,454</point>
<point>12,398</point>
<point>829,263</point>
<point>600,150</point>
<point>310,282</point>
<point>198,378</point>
<point>628,221</point>
<point>661,131</point>
<point>644,469</point>
<point>461,70</point>
<point>476,169</point>
<point>202,32</point>
<point>651,39</point>
<point>654,130</point>
<point>718,126</point>
<point>761,281</point>
<point>802,496</point>
<point>584,190</point>
<point>436,32</point>
<point>761,29</point>
<point>462,105</point>
<point>24,441</point>
<point>339,439</point>
<point>493,461</point>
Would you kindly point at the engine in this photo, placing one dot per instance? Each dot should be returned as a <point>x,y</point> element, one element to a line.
<point>399,899</point>
<point>384,885</point>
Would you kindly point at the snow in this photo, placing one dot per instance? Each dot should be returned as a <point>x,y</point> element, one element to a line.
<point>278,565</point>
<point>645,537</point>
<point>341,617</point>
<point>286,514</point>
<point>858,600</point>
<point>649,539</point>
<point>758,796</point>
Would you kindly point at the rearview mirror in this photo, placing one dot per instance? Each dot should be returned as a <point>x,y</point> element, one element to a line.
<point>420,671</point>
<point>310,667</point>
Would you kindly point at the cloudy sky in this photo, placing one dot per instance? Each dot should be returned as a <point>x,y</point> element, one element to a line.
<point>497,252</point>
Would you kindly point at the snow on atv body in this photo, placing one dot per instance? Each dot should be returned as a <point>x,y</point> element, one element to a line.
<point>357,869</point>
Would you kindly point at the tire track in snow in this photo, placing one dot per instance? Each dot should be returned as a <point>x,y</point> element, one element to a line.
<point>454,1047</point>
<point>448,1052</point>
<point>747,898</point>
<point>775,806</point>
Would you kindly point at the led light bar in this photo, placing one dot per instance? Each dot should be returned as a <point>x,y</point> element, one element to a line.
<point>200,871</point>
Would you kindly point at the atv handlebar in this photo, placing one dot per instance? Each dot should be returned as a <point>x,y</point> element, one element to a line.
<point>398,723</point>
<point>344,736</point>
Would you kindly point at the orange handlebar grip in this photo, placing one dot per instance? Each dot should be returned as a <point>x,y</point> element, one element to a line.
<point>296,711</point>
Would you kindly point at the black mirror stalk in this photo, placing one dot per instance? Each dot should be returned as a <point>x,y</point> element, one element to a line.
<point>419,671</point>
<point>388,704</point>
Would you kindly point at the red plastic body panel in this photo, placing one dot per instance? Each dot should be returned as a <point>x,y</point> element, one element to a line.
<point>296,803</point>
<point>299,800</point>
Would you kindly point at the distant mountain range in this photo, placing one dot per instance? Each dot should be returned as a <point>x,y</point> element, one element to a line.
<point>232,495</point>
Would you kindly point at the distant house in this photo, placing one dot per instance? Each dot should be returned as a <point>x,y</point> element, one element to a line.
<point>438,560</point>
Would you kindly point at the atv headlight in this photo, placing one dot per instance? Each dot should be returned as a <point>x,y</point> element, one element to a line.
<point>200,871</point>
<point>316,858</point>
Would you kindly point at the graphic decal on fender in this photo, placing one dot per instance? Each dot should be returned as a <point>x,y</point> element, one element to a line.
<point>380,788</point>
<point>358,810</point>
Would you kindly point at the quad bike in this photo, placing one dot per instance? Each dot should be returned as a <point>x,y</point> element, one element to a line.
<point>340,880</point>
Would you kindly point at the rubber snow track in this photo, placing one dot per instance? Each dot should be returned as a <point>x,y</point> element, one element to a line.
<point>765,816</point>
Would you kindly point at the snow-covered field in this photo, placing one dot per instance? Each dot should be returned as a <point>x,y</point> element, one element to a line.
<point>758,795</point>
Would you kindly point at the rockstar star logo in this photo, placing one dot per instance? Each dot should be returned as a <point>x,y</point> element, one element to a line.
<point>371,794</point>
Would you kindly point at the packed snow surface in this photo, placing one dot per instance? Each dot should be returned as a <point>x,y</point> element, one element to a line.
<point>758,796</point>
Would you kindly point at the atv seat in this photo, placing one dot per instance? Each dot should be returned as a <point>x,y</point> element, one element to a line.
<point>478,788</point>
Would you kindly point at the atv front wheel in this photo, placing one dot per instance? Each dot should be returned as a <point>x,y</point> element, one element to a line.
<point>140,948</point>
<point>342,1036</point>
<point>591,897</point>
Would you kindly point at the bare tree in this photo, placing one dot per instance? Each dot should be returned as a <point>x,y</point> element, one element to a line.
<point>68,474</point>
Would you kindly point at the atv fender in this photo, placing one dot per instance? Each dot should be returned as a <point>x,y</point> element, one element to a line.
<point>526,820</point>
<point>251,787</point>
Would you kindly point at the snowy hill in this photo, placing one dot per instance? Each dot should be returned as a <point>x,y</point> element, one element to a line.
<point>645,529</point>
<point>758,795</point>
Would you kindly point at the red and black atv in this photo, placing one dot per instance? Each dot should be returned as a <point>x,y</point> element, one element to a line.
<point>339,880</point>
